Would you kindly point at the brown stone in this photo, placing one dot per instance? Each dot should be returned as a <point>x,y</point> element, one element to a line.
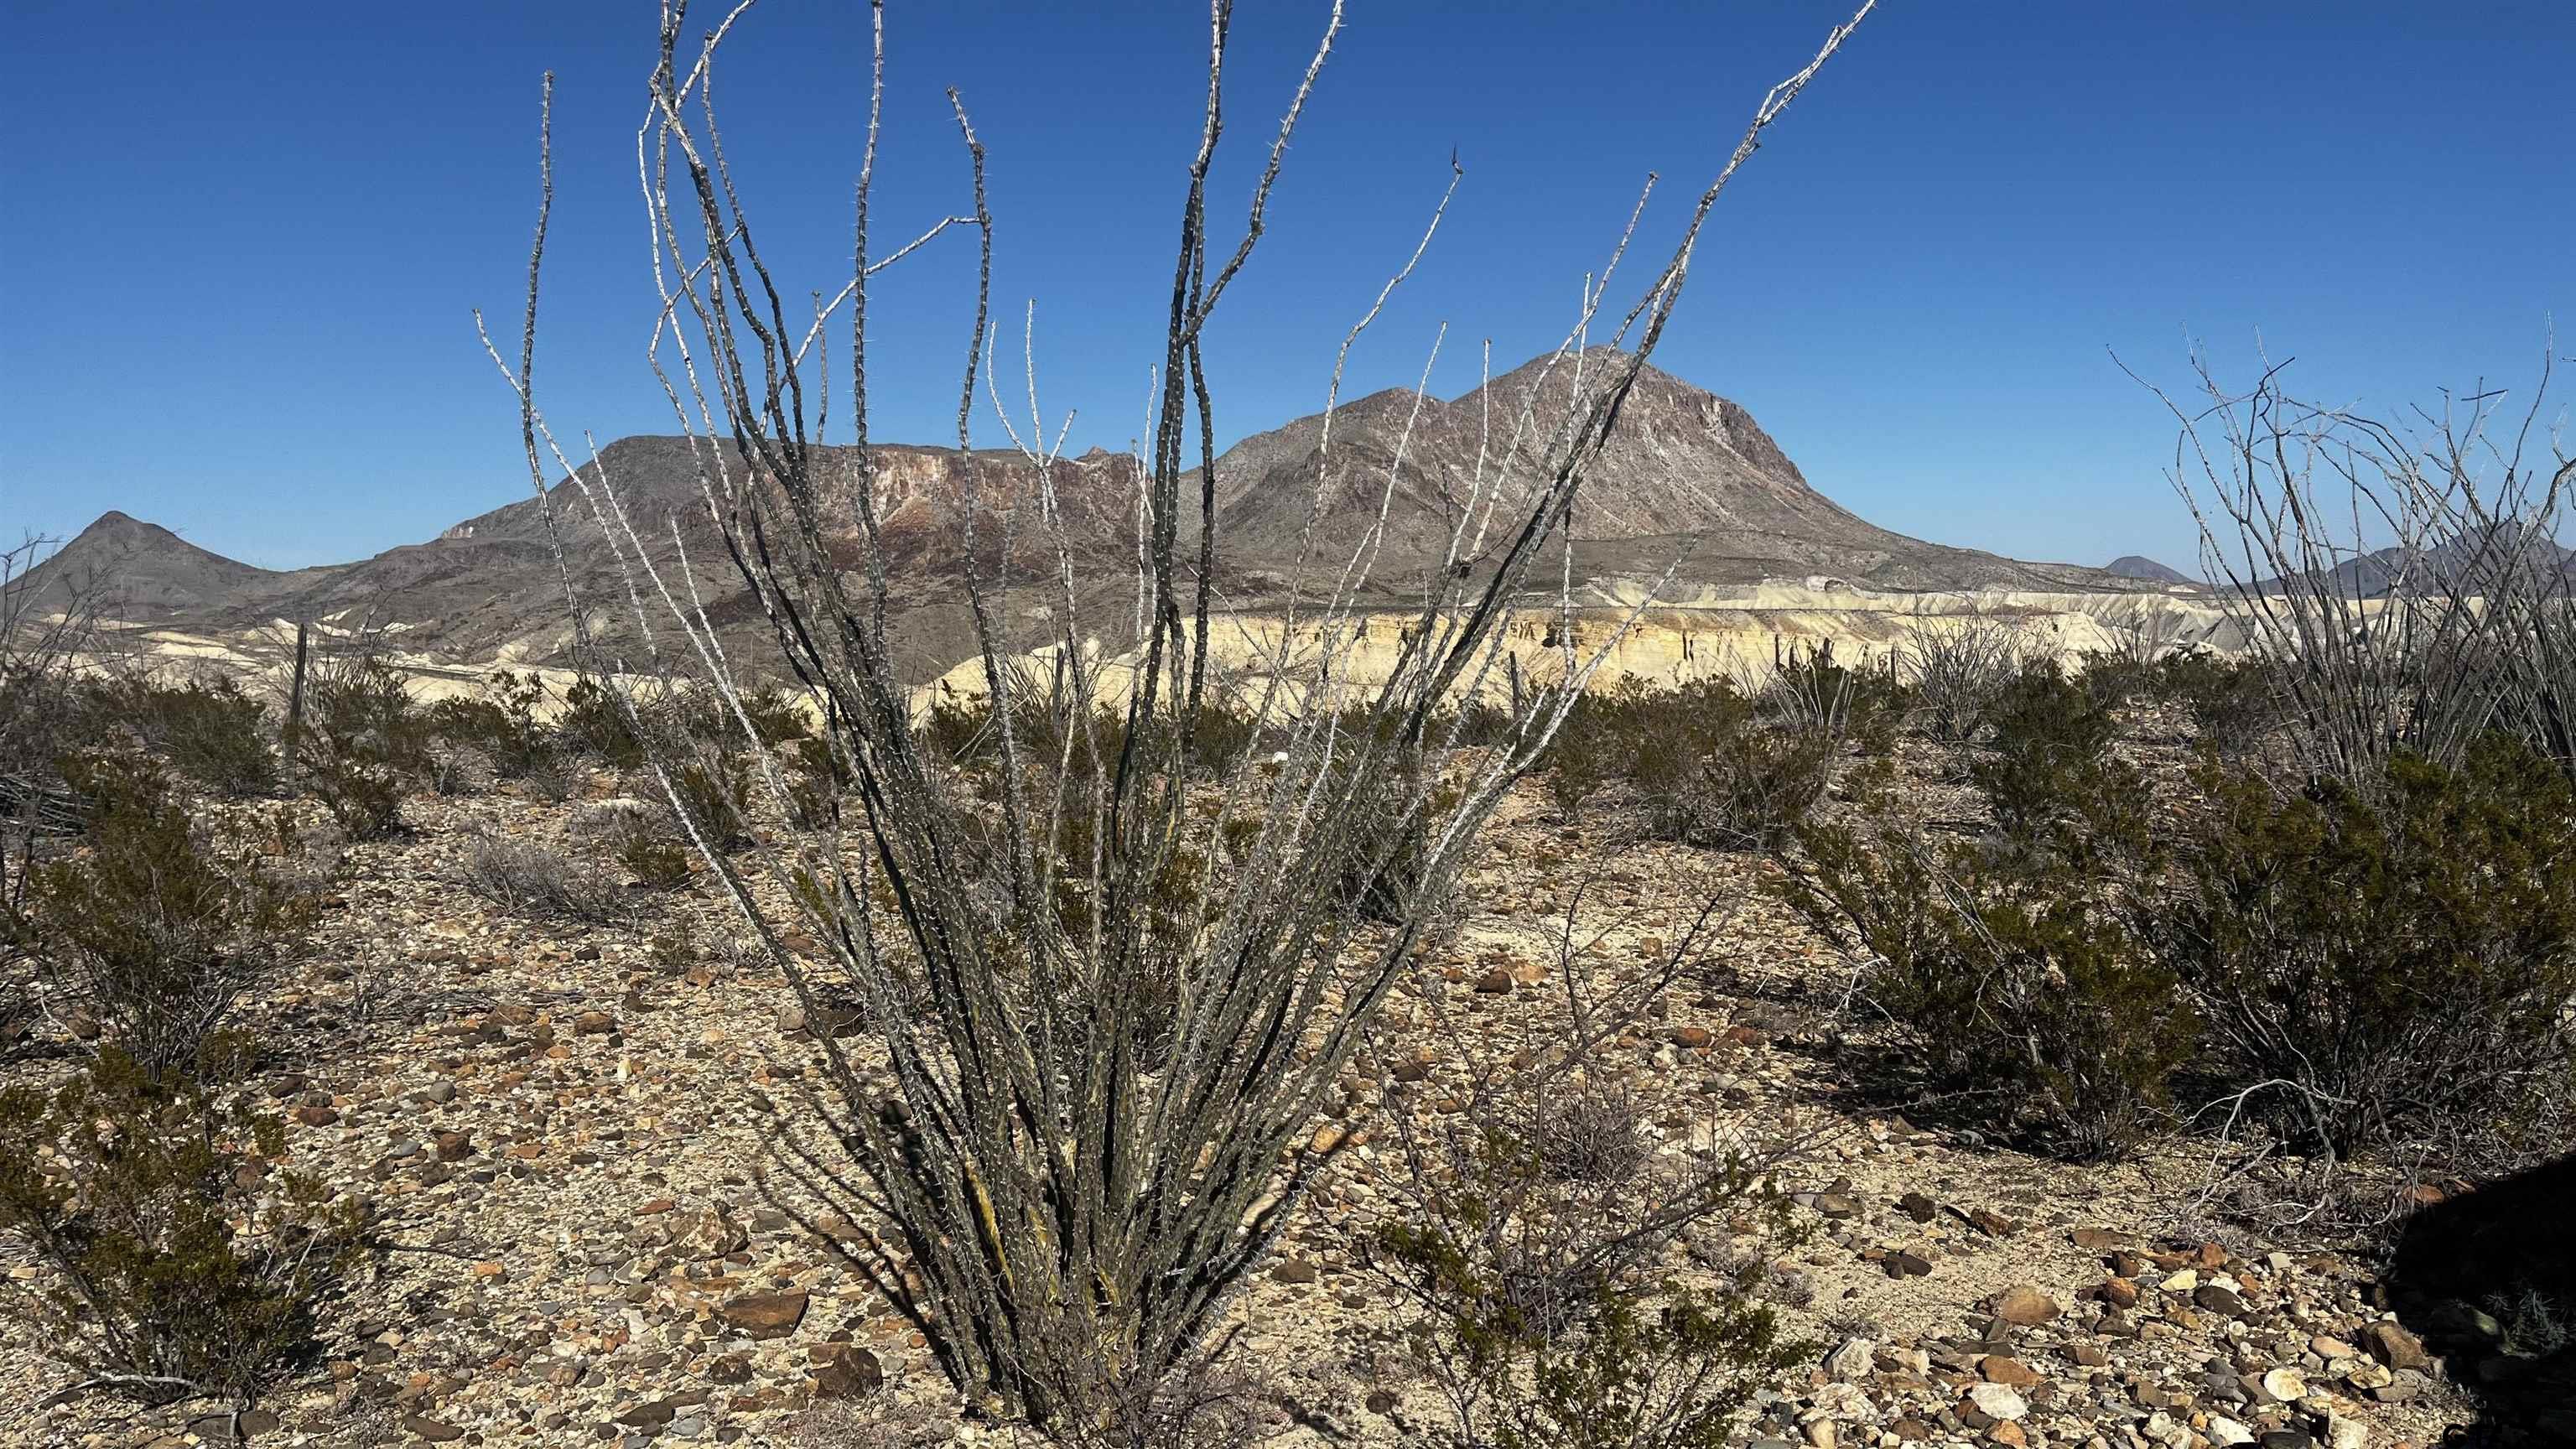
<point>2012,1372</point>
<point>313,1116</point>
<point>594,1023</point>
<point>2118,1292</point>
<point>1692,1037</point>
<point>766,1315</point>
<point>1497,982</point>
<point>2023,1305</point>
<point>1293,1270</point>
<point>431,1429</point>
<point>847,1372</point>
<point>2395,1347</point>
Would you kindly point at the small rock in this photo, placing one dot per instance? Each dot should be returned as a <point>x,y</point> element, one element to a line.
<point>2024,1306</point>
<point>848,1373</point>
<point>1853,1361</point>
<point>1918,1207</point>
<point>766,1315</point>
<point>431,1429</point>
<point>1293,1270</point>
<point>2012,1373</point>
<point>2286,1384</point>
<point>594,1023</point>
<point>1997,1402</point>
<point>2226,1432</point>
<point>2395,1347</point>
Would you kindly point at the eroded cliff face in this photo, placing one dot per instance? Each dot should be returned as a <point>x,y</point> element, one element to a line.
<point>1709,633</point>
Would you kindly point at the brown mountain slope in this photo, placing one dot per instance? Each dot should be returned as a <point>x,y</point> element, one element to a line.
<point>1687,474</point>
<point>1683,464</point>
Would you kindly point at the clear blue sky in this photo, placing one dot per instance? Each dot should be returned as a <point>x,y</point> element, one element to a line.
<point>242,240</point>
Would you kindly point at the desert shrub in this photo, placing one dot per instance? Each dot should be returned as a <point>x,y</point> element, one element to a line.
<point>2233,702</point>
<point>214,733</point>
<point>593,722</point>
<point>531,878</point>
<point>2398,956</point>
<point>711,790</point>
<point>637,836</point>
<point>1393,879</point>
<point>1590,750</point>
<point>1593,1133</point>
<point>500,721</point>
<point>361,743</point>
<point>1715,774</point>
<point>155,930</point>
<point>777,714</point>
<point>175,1263</point>
<point>2050,752</point>
<point>2013,974</point>
<point>1540,1318</point>
<point>1956,670</point>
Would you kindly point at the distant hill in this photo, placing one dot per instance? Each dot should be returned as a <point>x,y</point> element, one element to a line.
<point>1687,473</point>
<point>2138,566</point>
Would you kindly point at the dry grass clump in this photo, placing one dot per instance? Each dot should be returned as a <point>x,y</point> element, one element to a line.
<point>532,878</point>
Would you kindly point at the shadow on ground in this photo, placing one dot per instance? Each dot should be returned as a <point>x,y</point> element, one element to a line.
<point>2488,1280</point>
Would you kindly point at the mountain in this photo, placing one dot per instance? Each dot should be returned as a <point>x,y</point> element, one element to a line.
<point>129,568</point>
<point>2138,566</point>
<point>2459,562</point>
<point>1682,463</point>
<point>1687,474</point>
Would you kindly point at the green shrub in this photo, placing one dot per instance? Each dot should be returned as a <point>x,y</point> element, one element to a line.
<point>500,721</point>
<point>1589,751</point>
<point>2050,752</point>
<point>1541,1316</point>
<point>361,744</point>
<point>2007,973</point>
<point>214,733</point>
<point>595,723</point>
<point>712,790</point>
<point>2233,703</point>
<point>158,932</point>
<point>2402,957</point>
<point>1715,774</point>
<point>175,1263</point>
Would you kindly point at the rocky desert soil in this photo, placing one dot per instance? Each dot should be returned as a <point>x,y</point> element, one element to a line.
<point>598,1147</point>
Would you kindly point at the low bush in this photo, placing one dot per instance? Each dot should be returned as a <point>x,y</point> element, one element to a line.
<point>500,722</point>
<point>1716,774</point>
<point>2398,961</point>
<point>2050,754</point>
<point>593,722</point>
<point>2008,973</point>
<point>1541,1320</point>
<point>174,1262</point>
<point>156,931</point>
<point>712,791</point>
<point>212,732</point>
<point>2234,703</point>
<point>530,878</point>
<point>362,743</point>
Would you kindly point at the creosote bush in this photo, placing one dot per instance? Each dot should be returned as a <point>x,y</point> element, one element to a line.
<point>211,731</point>
<point>500,720</point>
<point>2010,973</point>
<point>2400,962</point>
<point>175,1262</point>
<point>153,929</point>
<point>362,744</point>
